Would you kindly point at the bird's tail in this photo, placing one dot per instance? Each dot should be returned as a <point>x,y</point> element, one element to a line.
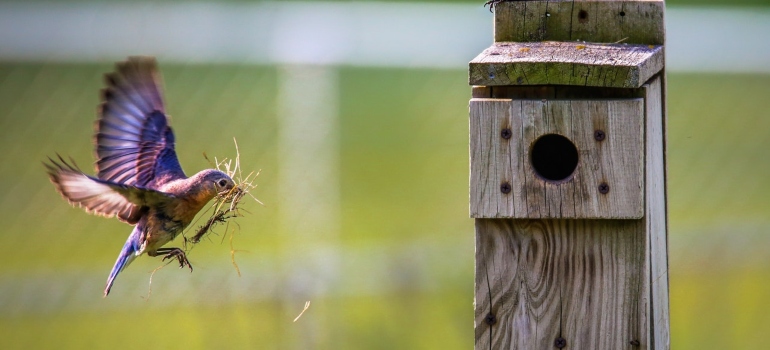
<point>127,255</point>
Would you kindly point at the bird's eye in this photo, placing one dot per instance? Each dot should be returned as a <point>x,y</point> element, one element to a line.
<point>222,183</point>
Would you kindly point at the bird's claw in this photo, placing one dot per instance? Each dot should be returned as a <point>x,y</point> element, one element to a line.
<point>179,254</point>
<point>492,3</point>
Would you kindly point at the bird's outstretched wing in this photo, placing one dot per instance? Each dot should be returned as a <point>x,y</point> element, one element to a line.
<point>134,143</point>
<point>102,197</point>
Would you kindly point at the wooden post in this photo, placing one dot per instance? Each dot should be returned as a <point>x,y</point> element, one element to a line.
<point>567,184</point>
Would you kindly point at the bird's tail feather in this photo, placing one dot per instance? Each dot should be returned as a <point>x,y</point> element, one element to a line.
<point>127,255</point>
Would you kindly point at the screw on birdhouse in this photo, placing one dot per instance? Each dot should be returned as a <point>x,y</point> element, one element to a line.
<point>506,133</point>
<point>490,319</point>
<point>634,342</point>
<point>505,187</point>
<point>599,135</point>
<point>560,342</point>
<point>604,188</point>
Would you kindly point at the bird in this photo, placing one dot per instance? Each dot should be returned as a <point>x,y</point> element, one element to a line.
<point>138,176</point>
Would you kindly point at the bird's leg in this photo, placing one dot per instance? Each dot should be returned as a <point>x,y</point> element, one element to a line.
<point>175,253</point>
<point>492,3</point>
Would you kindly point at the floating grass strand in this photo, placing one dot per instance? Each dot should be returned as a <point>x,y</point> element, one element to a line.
<point>232,254</point>
<point>307,305</point>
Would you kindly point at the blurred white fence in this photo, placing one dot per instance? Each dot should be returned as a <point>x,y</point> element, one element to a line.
<point>337,33</point>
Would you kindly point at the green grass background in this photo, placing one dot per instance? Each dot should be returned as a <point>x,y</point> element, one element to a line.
<point>404,199</point>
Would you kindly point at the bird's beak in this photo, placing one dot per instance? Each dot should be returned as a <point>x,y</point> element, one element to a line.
<point>230,192</point>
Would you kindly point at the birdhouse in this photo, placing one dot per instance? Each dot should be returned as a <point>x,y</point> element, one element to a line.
<point>567,180</point>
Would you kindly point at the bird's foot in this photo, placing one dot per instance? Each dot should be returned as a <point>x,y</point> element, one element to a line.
<point>177,253</point>
<point>492,3</point>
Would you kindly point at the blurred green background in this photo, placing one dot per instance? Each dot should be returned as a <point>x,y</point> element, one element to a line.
<point>403,257</point>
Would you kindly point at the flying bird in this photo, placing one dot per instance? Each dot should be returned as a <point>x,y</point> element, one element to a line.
<point>138,177</point>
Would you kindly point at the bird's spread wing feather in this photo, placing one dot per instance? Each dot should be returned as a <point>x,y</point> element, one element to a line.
<point>102,197</point>
<point>134,143</point>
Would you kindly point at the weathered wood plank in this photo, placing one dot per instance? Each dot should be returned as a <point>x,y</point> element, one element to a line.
<point>656,213</point>
<point>490,115</point>
<point>616,161</point>
<point>600,21</point>
<point>566,63</point>
<point>538,280</point>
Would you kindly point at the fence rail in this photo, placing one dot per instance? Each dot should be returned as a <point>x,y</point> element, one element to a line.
<point>337,33</point>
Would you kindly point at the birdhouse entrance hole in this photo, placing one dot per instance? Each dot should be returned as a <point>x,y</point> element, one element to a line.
<point>554,157</point>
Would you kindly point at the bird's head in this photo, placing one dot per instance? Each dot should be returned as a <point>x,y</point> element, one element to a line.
<point>202,187</point>
<point>208,184</point>
<point>198,190</point>
<point>214,182</point>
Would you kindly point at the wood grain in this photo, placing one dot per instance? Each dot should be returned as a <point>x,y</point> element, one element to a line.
<point>582,280</point>
<point>488,118</point>
<point>599,21</point>
<point>566,63</point>
<point>616,161</point>
<point>656,214</point>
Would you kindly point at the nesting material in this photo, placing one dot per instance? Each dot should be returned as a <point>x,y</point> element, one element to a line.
<point>227,205</point>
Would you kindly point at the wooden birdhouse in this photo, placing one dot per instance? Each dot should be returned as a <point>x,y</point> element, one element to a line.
<point>567,184</point>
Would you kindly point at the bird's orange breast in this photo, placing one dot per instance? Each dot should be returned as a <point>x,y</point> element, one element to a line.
<point>186,209</point>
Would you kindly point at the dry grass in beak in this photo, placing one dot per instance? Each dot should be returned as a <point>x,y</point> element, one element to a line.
<point>227,204</point>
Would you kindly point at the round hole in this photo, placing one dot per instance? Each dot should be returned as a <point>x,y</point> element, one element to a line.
<point>554,157</point>
<point>622,13</point>
<point>582,14</point>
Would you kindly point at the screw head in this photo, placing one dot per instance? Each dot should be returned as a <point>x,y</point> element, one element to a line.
<point>490,319</point>
<point>506,133</point>
<point>560,342</point>
<point>599,135</point>
<point>505,187</point>
<point>604,188</point>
